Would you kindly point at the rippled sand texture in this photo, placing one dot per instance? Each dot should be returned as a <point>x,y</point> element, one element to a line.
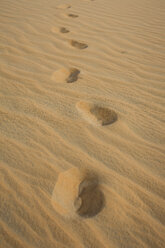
<point>64,67</point>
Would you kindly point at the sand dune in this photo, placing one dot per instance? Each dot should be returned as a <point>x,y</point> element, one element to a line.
<point>82,124</point>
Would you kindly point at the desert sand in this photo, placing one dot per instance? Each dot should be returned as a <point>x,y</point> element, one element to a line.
<point>82,136</point>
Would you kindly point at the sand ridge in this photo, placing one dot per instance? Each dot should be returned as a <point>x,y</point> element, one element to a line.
<point>54,101</point>
<point>64,6</point>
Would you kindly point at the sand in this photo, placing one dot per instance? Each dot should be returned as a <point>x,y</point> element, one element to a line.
<point>82,89</point>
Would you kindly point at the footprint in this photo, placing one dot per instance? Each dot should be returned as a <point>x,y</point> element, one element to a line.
<point>123,52</point>
<point>77,192</point>
<point>77,44</point>
<point>95,114</point>
<point>90,199</point>
<point>64,30</point>
<point>64,6</point>
<point>61,30</point>
<point>66,75</point>
<point>72,15</point>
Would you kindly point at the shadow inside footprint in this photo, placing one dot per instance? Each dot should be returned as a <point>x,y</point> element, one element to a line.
<point>90,200</point>
<point>104,115</point>
<point>73,76</point>
<point>72,15</point>
<point>68,75</point>
<point>96,114</point>
<point>78,45</point>
<point>60,29</point>
<point>64,30</point>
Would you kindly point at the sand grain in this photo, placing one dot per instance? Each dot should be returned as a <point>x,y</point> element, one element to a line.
<point>54,102</point>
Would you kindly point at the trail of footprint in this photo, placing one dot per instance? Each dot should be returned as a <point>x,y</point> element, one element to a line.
<point>77,44</point>
<point>64,6</point>
<point>96,114</point>
<point>61,30</point>
<point>66,75</point>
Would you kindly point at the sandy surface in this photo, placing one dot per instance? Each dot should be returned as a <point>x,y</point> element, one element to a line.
<point>82,87</point>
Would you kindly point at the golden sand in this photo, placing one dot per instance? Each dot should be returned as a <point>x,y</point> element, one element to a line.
<point>82,88</point>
